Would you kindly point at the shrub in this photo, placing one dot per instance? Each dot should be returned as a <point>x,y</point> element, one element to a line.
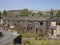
<point>26,41</point>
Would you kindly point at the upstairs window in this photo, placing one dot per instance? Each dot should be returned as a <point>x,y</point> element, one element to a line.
<point>40,23</point>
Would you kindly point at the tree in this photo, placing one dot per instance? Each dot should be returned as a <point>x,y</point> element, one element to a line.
<point>25,12</point>
<point>0,15</point>
<point>17,28</point>
<point>4,13</point>
<point>58,14</point>
<point>40,13</point>
<point>33,14</point>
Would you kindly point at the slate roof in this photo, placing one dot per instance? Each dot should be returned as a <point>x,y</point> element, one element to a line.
<point>53,27</point>
<point>31,18</point>
<point>57,19</point>
<point>7,38</point>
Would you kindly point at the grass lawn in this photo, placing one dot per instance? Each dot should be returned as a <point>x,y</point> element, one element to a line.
<point>39,42</point>
<point>30,35</point>
<point>43,42</point>
<point>47,42</point>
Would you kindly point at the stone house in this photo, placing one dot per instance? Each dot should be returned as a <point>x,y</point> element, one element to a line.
<point>29,23</point>
<point>55,27</point>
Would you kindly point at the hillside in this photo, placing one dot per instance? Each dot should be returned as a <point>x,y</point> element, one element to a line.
<point>18,12</point>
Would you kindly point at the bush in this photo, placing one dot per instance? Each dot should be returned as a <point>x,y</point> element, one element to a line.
<point>26,42</point>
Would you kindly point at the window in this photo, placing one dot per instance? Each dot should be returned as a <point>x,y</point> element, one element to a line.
<point>41,23</point>
<point>58,23</point>
<point>17,21</point>
<point>1,34</point>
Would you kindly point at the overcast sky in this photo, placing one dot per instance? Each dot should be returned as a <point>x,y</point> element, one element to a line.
<point>29,4</point>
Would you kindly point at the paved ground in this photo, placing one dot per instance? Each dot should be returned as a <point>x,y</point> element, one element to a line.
<point>7,38</point>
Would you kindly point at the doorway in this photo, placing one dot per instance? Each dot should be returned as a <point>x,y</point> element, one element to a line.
<point>52,32</point>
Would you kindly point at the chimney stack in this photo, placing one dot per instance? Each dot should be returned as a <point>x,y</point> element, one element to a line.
<point>51,13</point>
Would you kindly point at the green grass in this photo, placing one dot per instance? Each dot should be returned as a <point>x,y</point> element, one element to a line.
<point>17,44</point>
<point>47,42</point>
<point>50,42</point>
<point>43,42</point>
<point>22,44</point>
<point>30,35</point>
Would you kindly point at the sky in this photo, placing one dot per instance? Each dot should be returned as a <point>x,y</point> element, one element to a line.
<point>40,5</point>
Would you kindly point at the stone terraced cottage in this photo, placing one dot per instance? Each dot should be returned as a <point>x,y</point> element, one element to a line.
<point>36,24</point>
